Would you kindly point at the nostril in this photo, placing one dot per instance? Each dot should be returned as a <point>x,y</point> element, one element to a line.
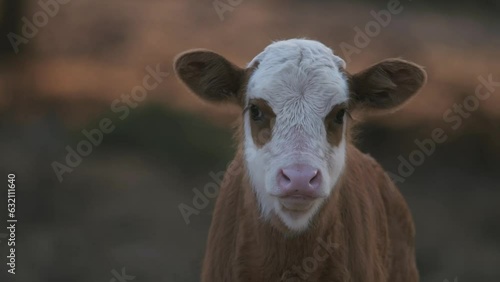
<point>284,180</point>
<point>285,177</point>
<point>315,176</point>
<point>316,179</point>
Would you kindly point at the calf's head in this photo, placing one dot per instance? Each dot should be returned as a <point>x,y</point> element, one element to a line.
<point>295,98</point>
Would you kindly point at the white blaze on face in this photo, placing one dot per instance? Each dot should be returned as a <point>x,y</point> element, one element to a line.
<point>301,81</point>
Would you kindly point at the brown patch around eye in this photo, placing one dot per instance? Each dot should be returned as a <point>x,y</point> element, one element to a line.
<point>263,126</point>
<point>332,125</point>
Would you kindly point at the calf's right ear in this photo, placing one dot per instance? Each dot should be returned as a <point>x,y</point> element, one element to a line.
<point>210,76</point>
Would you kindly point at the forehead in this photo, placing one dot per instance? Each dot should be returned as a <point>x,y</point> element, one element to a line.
<point>296,72</point>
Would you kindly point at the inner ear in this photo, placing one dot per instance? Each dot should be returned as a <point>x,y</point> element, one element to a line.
<point>386,85</point>
<point>210,75</point>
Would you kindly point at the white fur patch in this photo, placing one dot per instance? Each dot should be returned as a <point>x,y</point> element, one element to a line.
<point>301,81</point>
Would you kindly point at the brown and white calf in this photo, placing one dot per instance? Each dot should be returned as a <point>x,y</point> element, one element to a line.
<point>299,202</point>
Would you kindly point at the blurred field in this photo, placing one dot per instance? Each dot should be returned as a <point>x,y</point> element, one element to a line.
<point>119,208</point>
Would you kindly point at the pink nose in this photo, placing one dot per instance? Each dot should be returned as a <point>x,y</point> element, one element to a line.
<point>299,181</point>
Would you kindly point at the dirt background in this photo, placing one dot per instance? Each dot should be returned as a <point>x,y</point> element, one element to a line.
<point>119,207</point>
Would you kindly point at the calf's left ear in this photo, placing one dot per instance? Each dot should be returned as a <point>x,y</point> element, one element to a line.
<point>209,75</point>
<point>386,85</point>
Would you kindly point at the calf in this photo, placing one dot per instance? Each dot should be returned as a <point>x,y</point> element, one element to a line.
<point>299,202</point>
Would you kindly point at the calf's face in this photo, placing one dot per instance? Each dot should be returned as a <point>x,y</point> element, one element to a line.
<point>295,97</point>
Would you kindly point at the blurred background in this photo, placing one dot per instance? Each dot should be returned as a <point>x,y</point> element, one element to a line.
<point>116,210</point>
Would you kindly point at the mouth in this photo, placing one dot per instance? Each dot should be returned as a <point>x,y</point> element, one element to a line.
<point>296,203</point>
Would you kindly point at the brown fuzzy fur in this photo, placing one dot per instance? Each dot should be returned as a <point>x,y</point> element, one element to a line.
<point>365,218</point>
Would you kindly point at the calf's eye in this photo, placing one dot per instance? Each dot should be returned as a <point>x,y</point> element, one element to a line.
<point>255,113</point>
<point>339,117</point>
